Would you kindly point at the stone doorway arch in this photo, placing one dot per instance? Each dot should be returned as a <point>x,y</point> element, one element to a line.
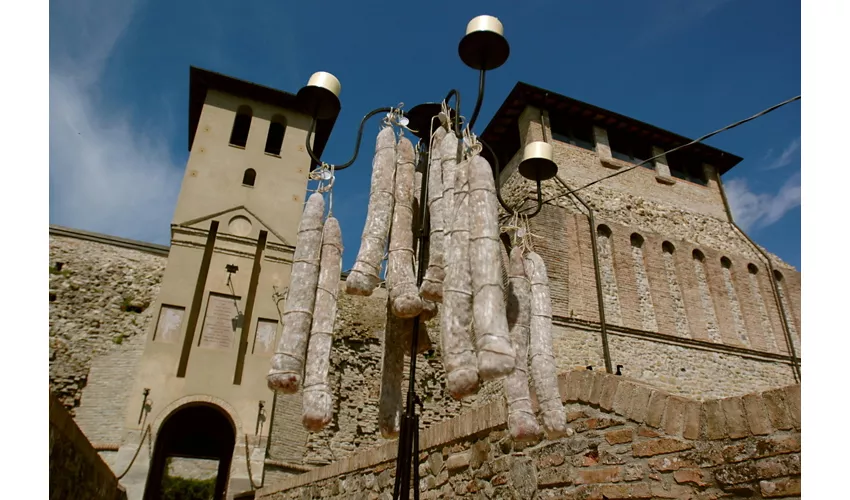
<point>194,430</point>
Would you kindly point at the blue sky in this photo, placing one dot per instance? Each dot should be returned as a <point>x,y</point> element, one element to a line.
<point>119,87</point>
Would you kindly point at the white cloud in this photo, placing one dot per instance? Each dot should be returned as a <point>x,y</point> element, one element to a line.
<point>105,174</point>
<point>757,210</point>
<point>789,154</point>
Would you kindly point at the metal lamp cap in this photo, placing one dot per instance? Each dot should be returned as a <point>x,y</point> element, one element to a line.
<point>326,81</point>
<point>485,23</point>
<point>537,162</point>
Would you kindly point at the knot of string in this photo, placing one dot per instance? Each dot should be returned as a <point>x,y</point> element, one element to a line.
<point>324,175</point>
<point>396,118</point>
<point>525,234</point>
<point>512,228</point>
<point>473,145</point>
<point>440,117</point>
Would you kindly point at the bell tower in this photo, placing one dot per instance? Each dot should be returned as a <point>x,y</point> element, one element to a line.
<point>216,319</point>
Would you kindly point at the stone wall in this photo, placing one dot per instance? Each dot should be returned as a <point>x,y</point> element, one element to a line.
<point>103,406</point>
<point>98,301</point>
<point>96,276</point>
<point>355,377</point>
<point>684,290</point>
<point>76,470</point>
<point>691,369</point>
<point>628,440</point>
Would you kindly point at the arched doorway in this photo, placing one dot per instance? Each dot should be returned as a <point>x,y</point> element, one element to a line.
<point>198,431</point>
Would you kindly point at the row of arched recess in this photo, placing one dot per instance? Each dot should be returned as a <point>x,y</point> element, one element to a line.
<point>242,125</point>
<point>699,280</point>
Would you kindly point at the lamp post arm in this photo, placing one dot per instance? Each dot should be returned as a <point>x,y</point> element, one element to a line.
<point>356,144</point>
<point>480,99</point>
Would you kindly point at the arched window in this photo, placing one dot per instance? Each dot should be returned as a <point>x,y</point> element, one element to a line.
<point>241,126</point>
<point>274,141</point>
<point>699,255</point>
<point>603,230</point>
<point>249,177</point>
<point>752,268</point>
<point>678,301</point>
<point>725,262</point>
<point>777,275</point>
<point>637,240</point>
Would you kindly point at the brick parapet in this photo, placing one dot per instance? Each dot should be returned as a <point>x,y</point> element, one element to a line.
<point>653,433</point>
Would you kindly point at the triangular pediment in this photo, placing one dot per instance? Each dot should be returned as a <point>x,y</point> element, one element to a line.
<point>237,221</point>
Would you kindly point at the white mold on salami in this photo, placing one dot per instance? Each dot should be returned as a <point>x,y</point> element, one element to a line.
<point>365,274</point>
<point>287,365</point>
<point>522,423</point>
<point>317,403</point>
<point>401,278</point>
<point>496,354</point>
<point>392,374</point>
<point>432,283</point>
<point>541,354</point>
<point>458,352</point>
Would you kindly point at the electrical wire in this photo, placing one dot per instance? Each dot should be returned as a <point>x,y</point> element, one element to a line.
<point>695,141</point>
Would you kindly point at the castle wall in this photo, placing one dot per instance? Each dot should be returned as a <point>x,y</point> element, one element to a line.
<point>97,294</point>
<point>651,283</point>
<point>629,440</point>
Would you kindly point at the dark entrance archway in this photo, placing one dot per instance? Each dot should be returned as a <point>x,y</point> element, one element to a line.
<point>195,430</point>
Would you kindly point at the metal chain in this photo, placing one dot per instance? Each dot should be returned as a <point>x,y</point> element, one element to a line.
<point>141,443</point>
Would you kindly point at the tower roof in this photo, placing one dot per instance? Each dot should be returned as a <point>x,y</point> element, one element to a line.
<point>201,80</point>
<point>502,133</point>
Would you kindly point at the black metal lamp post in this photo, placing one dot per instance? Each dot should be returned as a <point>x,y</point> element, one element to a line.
<point>483,48</point>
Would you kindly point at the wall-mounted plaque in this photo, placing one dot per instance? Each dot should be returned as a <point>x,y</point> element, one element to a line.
<point>168,324</point>
<point>264,338</point>
<point>221,321</point>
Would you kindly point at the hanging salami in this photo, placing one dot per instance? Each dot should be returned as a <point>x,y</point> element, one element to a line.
<point>458,351</point>
<point>432,283</point>
<point>365,274</point>
<point>392,373</point>
<point>317,403</point>
<point>287,365</point>
<point>496,355</point>
<point>522,423</point>
<point>541,355</point>
<point>401,278</point>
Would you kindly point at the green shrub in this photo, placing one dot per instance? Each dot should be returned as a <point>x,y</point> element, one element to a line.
<point>181,488</point>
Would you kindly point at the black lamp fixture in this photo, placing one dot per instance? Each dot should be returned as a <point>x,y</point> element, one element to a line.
<point>145,394</point>
<point>483,48</point>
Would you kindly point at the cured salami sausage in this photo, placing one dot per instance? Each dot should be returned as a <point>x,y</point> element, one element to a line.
<point>456,318</point>
<point>432,283</point>
<point>522,423</point>
<point>401,279</point>
<point>317,403</point>
<point>496,355</point>
<point>392,373</point>
<point>541,356</point>
<point>365,274</point>
<point>287,365</point>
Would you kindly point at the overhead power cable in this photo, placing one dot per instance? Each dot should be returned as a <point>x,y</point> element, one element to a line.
<point>695,141</point>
